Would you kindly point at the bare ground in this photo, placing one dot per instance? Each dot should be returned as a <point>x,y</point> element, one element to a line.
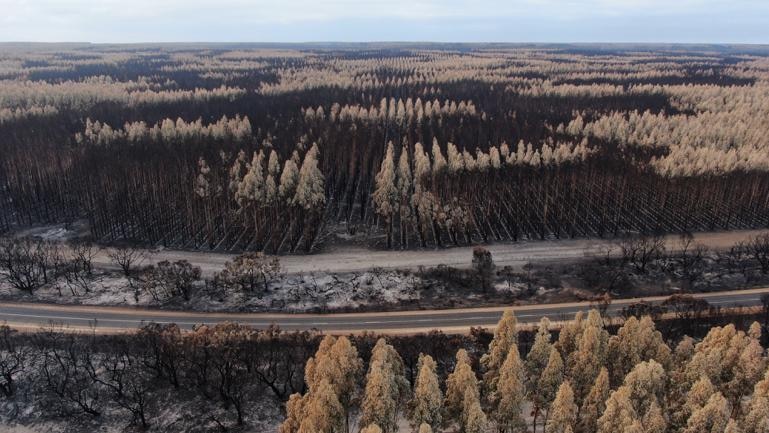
<point>504,254</point>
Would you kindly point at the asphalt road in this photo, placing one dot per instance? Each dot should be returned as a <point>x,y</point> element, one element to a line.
<point>115,319</point>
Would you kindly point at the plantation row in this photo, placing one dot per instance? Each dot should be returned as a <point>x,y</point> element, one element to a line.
<point>284,151</point>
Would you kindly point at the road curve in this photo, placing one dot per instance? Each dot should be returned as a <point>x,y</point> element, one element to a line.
<point>117,319</point>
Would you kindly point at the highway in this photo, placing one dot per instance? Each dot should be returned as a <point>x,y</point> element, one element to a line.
<point>109,320</point>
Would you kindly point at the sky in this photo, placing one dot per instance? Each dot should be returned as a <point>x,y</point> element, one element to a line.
<point>684,21</point>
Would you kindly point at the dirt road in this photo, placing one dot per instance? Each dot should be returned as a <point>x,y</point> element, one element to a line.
<point>512,254</point>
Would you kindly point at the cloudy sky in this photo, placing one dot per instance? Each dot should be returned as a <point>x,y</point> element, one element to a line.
<point>729,21</point>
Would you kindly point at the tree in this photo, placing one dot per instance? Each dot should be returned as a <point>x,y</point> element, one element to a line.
<point>475,420</point>
<point>690,260</point>
<point>710,418</point>
<point>634,342</point>
<point>585,364</point>
<point>439,161</point>
<point>310,192</point>
<point>595,403</point>
<point>509,395</point>
<point>385,388</point>
<point>168,279</point>
<point>458,382</point>
<point>271,183</point>
<point>653,421</point>
<point>505,338</point>
<point>83,253</point>
<point>641,251</point>
<point>637,401</point>
<point>22,263</point>
<point>385,194</point>
<point>539,355</point>
<point>404,185</point>
<point>247,272</point>
<point>619,415</point>
<point>756,419</point>
<point>14,359</point>
<point>483,265</point>
<point>759,249</point>
<point>695,399</point>
<point>337,362</point>
<point>294,414</point>
<point>127,258</point>
<point>427,403</point>
<point>548,384</point>
<point>731,359</point>
<point>289,178</point>
<point>322,412</point>
<point>568,338</point>
<point>537,361</point>
<point>563,413</point>
<point>250,193</point>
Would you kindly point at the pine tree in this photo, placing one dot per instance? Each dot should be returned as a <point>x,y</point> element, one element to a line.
<point>379,404</point>
<point>647,383</point>
<point>456,162</point>
<point>294,414</point>
<point>568,338</point>
<point>731,359</point>
<point>710,418</point>
<point>595,403</point>
<point>653,421</point>
<point>632,403</point>
<point>548,384</point>
<point>696,398</point>
<point>404,186</point>
<point>385,387</point>
<point>427,404</point>
<point>288,180</point>
<point>439,161</point>
<point>385,195</point>
<point>474,419</point>
<point>509,395</point>
<point>310,189</point>
<point>337,362</point>
<point>271,183</point>
<point>757,417</point>
<point>636,341</point>
<point>505,338</point>
<point>539,355</point>
<point>251,189</point>
<point>619,415</point>
<point>322,412</point>
<point>237,171</point>
<point>459,381</point>
<point>586,362</point>
<point>563,413</point>
<point>421,165</point>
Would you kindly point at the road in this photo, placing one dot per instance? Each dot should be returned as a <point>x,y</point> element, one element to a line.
<point>115,319</point>
<point>504,254</point>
